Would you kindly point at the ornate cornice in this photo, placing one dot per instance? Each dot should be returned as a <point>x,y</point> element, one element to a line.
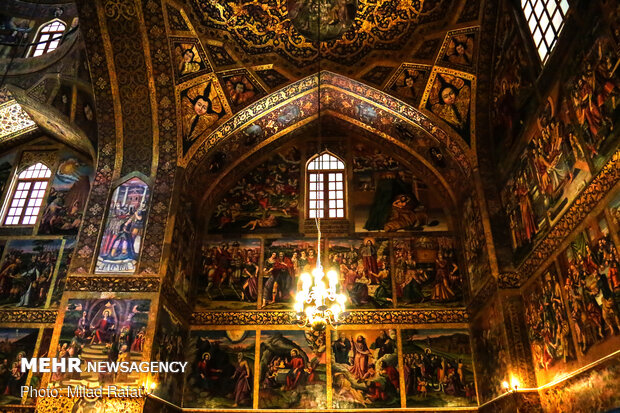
<point>105,284</point>
<point>28,316</point>
<point>355,317</point>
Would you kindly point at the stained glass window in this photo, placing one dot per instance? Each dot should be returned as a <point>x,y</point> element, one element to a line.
<point>325,180</point>
<point>545,18</point>
<point>28,193</point>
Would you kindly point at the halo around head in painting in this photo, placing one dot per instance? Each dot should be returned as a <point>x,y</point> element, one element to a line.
<point>322,19</point>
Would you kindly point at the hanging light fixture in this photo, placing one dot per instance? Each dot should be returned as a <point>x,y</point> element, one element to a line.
<point>318,302</point>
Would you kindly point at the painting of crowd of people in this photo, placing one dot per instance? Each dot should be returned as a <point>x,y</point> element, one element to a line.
<point>292,370</point>
<point>67,198</point>
<point>102,330</point>
<point>427,272</point>
<point>43,351</point>
<point>124,228</point>
<point>169,345</point>
<point>386,197</point>
<point>364,269</point>
<point>27,272</point>
<point>474,243</point>
<point>264,200</point>
<point>591,283</point>
<point>438,368</point>
<point>228,277</point>
<point>15,344</point>
<point>365,369</point>
<point>285,260</point>
<point>548,326</point>
<point>221,370</point>
<point>490,351</point>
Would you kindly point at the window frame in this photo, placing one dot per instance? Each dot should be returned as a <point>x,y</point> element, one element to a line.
<point>325,174</point>
<point>534,13</point>
<point>14,187</point>
<point>46,46</point>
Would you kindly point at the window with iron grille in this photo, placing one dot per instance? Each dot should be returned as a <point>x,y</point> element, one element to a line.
<point>325,187</point>
<point>545,18</point>
<point>49,37</point>
<point>23,207</point>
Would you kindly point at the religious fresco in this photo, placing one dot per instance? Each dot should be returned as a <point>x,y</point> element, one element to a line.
<point>189,59</point>
<point>595,390</point>
<point>491,356</point>
<point>292,370</point>
<point>264,200</point>
<point>16,343</point>
<point>459,49</point>
<point>219,55</point>
<point>285,260</point>
<point>61,275</point>
<point>512,83</point>
<point>221,369</point>
<point>408,82</point>
<point>476,253</point>
<point>449,97</point>
<point>201,107</point>
<point>326,21</point>
<point>438,368</point>
<point>102,330</point>
<point>614,210</point>
<point>386,197</point>
<point>427,273</point>
<point>67,198</point>
<point>228,277</point>
<point>589,271</point>
<point>169,344</point>
<point>182,256</point>
<point>27,272</point>
<point>124,228</point>
<point>254,25</point>
<point>377,74</point>
<point>364,269</point>
<point>365,369</point>
<point>271,77</point>
<point>241,88</point>
<point>548,327</point>
<point>42,351</point>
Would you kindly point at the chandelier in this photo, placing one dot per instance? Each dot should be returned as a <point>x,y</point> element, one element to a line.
<point>318,303</point>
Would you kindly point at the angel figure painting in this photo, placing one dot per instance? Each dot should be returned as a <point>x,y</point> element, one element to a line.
<point>292,370</point>
<point>450,99</point>
<point>201,108</point>
<point>188,60</point>
<point>365,369</point>
<point>100,330</point>
<point>410,83</point>
<point>461,50</point>
<point>221,369</point>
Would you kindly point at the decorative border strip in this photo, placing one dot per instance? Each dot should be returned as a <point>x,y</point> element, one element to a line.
<point>355,317</point>
<point>113,284</point>
<point>28,316</point>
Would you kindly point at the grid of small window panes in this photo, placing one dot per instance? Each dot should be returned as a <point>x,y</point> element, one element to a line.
<point>49,38</point>
<point>325,187</point>
<point>28,195</point>
<point>545,19</point>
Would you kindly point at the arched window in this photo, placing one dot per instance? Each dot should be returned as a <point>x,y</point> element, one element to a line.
<point>28,192</point>
<point>545,19</point>
<point>325,183</point>
<point>49,37</point>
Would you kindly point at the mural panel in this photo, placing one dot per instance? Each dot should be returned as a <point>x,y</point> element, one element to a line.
<point>459,49</point>
<point>548,327</point>
<point>364,269</point>
<point>264,200</point>
<point>17,343</point>
<point>409,82</point>
<point>201,107</point>
<point>449,98</point>
<point>292,370</point>
<point>427,272</point>
<point>592,286</point>
<point>61,275</point>
<point>169,345</point>
<point>476,252</point>
<point>67,197</point>
<point>241,88</point>
<point>27,272</point>
<point>386,197</point>
<point>184,253</point>
<point>365,369</point>
<point>221,369</point>
<point>285,260</point>
<point>438,368</point>
<point>492,360</point>
<point>189,59</point>
<point>614,210</point>
<point>229,276</point>
<point>42,351</point>
<point>124,228</point>
<point>271,77</point>
<point>102,330</point>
